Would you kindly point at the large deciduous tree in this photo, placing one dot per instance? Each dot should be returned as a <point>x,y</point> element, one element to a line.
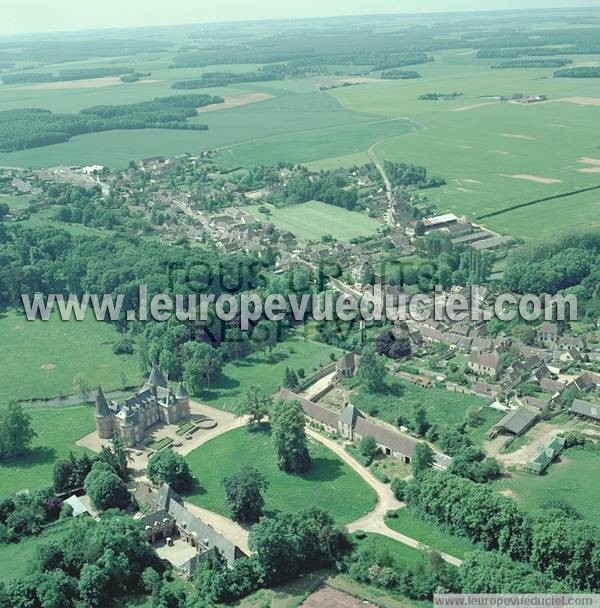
<point>371,371</point>
<point>243,494</point>
<point>16,432</point>
<point>289,438</point>
<point>168,467</point>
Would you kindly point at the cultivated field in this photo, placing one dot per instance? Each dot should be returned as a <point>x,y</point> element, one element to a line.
<point>312,220</point>
<point>330,484</point>
<point>40,359</point>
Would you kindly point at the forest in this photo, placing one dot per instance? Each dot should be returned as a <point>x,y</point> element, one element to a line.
<point>31,128</point>
<point>532,63</point>
<point>27,77</point>
<point>582,72</point>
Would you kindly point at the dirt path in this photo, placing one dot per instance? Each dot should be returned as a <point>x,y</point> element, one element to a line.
<point>374,521</point>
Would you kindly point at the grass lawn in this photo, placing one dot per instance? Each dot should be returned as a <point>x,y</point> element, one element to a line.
<point>312,220</point>
<point>16,560</point>
<point>58,429</point>
<point>429,534</point>
<point>329,484</point>
<point>265,371</point>
<point>571,479</point>
<point>39,359</point>
<point>405,556</point>
<point>400,398</point>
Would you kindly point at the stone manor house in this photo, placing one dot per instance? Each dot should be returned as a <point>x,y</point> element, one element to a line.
<point>154,402</point>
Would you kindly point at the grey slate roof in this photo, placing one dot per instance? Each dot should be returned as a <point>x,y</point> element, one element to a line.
<point>156,377</point>
<point>102,408</point>
<point>181,391</point>
<point>311,409</point>
<point>387,437</point>
<point>350,415</point>
<point>586,408</point>
<point>517,421</point>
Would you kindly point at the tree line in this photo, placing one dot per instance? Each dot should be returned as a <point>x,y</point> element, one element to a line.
<point>32,128</point>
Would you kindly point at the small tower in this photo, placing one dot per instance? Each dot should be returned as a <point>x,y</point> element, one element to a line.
<point>156,377</point>
<point>104,421</point>
<point>183,401</point>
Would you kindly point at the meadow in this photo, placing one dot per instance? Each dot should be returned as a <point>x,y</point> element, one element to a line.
<point>17,560</point>
<point>314,219</point>
<point>40,359</point>
<point>425,532</point>
<point>401,398</point>
<point>58,429</point>
<point>329,484</point>
<point>569,480</point>
<point>266,370</point>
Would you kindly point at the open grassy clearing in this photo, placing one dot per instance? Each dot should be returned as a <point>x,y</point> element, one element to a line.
<point>39,359</point>
<point>58,429</point>
<point>267,371</point>
<point>312,220</point>
<point>401,398</point>
<point>571,479</point>
<point>429,534</point>
<point>17,560</point>
<point>329,484</point>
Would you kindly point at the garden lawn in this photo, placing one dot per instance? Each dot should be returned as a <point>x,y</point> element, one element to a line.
<point>39,359</point>
<point>401,398</point>
<point>429,534</point>
<point>312,220</point>
<point>330,484</point>
<point>267,371</point>
<point>58,429</point>
<point>572,479</point>
<point>16,560</point>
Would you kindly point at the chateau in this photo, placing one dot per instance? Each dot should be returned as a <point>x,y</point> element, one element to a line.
<point>154,403</point>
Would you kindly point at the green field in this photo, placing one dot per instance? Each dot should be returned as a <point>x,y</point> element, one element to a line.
<point>429,534</point>
<point>267,371</point>
<point>330,484</point>
<point>312,220</point>
<point>400,398</point>
<point>404,555</point>
<point>475,143</point>
<point>17,560</point>
<point>572,480</point>
<point>297,124</point>
<point>58,429</point>
<point>39,359</point>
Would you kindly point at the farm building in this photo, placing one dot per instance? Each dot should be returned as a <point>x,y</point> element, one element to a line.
<point>541,461</point>
<point>516,422</point>
<point>439,221</point>
<point>168,516</point>
<point>587,410</point>
<point>352,425</point>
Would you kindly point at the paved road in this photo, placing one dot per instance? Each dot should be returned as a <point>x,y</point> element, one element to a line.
<point>374,521</point>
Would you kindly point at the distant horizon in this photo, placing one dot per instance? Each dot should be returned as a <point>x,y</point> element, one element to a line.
<point>16,17</point>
